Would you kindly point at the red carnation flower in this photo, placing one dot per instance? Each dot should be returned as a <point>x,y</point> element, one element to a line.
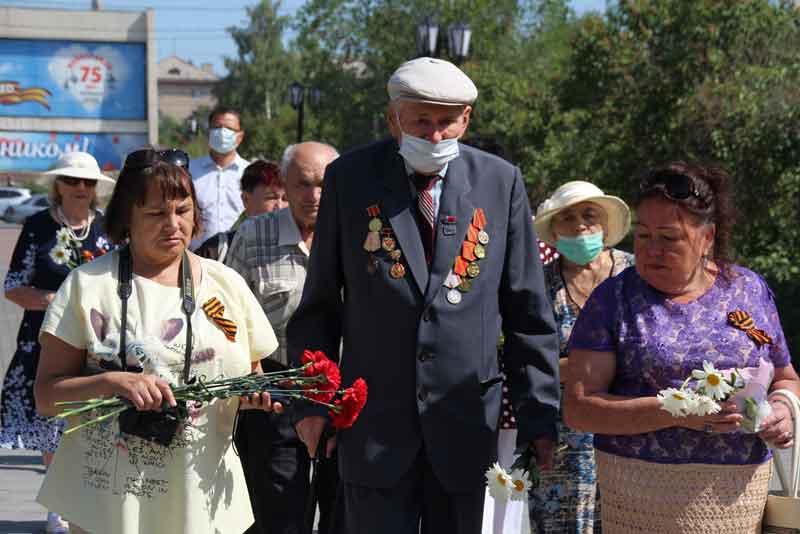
<point>347,409</point>
<point>87,256</point>
<point>327,370</point>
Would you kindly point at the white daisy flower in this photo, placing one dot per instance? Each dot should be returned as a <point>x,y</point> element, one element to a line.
<point>63,238</point>
<point>712,382</point>
<point>499,483</point>
<point>520,484</point>
<point>60,255</point>
<point>678,402</point>
<point>706,406</point>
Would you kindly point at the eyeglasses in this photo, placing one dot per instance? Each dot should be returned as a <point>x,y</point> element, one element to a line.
<point>73,182</point>
<point>141,159</point>
<point>674,186</point>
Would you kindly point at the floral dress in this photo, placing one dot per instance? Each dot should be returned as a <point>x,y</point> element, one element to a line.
<point>565,500</point>
<point>43,256</point>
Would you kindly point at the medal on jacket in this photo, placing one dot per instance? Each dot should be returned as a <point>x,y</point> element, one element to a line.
<point>466,267</point>
<point>373,241</point>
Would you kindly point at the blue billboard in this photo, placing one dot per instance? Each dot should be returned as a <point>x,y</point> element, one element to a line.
<point>38,151</point>
<point>74,79</point>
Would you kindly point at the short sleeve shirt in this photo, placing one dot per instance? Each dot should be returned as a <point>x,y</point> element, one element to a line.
<point>110,482</point>
<point>658,343</point>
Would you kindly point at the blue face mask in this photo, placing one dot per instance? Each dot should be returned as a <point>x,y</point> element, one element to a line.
<point>581,249</point>
<point>222,140</point>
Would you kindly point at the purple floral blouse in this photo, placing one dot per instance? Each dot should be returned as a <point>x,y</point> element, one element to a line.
<point>657,345</point>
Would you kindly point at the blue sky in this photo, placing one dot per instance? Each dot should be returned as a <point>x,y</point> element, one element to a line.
<point>196,29</point>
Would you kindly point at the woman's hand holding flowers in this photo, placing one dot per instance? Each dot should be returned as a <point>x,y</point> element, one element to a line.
<point>261,401</point>
<point>777,429</point>
<point>146,392</point>
<point>727,420</point>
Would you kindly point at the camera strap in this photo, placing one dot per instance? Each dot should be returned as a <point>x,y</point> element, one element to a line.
<point>124,278</point>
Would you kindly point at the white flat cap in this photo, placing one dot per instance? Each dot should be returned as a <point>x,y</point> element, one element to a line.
<point>431,80</point>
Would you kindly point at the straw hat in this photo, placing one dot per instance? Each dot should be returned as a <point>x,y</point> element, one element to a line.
<point>79,165</point>
<point>571,193</point>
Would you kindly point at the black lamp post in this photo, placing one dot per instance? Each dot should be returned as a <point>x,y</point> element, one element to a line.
<point>297,98</point>
<point>427,37</point>
<point>458,38</point>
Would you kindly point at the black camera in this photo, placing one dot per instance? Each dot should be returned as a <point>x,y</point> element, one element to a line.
<point>158,427</point>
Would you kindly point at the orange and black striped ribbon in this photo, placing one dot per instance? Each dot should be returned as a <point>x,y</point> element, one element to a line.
<point>215,310</point>
<point>742,320</point>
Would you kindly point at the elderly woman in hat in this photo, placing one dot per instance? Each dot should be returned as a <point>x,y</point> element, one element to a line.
<point>684,306</point>
<point>50,244</point>
<point>583,224</point>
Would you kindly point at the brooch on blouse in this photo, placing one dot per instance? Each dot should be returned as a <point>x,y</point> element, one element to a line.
<point>215,311</point>
<point>742,320</point>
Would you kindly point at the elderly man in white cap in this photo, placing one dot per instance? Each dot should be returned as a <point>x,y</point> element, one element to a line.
<point>424,252</point>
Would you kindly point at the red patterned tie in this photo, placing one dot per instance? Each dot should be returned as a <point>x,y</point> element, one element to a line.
<point>426,219</point>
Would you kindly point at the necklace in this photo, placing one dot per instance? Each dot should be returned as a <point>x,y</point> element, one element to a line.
<point>84,230</point>
<point>586,297</point>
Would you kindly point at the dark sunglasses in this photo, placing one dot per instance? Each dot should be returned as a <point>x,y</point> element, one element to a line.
<point>141,159</point>
<point>73,182</point>
<point>673,186</point>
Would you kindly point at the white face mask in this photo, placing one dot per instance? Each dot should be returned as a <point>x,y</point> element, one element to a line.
<point>426,157</point>
<point>222,140</point>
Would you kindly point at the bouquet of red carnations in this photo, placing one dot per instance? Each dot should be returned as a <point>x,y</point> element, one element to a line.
<point>318,381</point>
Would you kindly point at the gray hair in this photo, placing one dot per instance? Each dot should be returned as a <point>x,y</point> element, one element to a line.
<point>288,157</point>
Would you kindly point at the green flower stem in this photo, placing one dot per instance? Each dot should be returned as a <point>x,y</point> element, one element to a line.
<point>96,420</point>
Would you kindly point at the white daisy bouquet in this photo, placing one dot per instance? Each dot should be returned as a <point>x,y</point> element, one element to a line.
<point>703,391</point>
<point>515,483</point>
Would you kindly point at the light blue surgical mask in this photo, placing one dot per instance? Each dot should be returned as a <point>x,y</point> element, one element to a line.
<point>222,140</point>
<point>581,249</point>
<point>426,157</point>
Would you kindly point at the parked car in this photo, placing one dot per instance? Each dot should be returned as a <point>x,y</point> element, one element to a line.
<point>11,196</point>
<point>20,212</point>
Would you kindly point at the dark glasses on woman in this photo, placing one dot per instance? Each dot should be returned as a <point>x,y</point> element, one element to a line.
<point>73,182</point>
<point>674,186</point>
<point>141,159</point>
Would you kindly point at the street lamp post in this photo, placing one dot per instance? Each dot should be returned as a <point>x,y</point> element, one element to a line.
<point>458,39</point>
<point>297,97</point>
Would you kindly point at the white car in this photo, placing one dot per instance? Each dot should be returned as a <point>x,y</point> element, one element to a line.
<point>11,196</point>
<point>20,212</point>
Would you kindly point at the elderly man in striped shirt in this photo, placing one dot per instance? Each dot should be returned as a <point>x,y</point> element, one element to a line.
<point>271,252</point>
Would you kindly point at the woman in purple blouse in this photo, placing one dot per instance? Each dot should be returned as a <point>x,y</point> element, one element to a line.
<point>646,330</point>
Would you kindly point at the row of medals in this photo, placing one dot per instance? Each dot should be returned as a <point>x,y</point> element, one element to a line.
<point>378,238</point>
<point>455,284</point>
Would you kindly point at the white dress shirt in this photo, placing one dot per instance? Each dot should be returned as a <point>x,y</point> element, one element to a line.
<point>218,193</point>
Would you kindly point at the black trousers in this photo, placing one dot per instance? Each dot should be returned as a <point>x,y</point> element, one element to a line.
<point>418,504</point>
<point>276,468</point>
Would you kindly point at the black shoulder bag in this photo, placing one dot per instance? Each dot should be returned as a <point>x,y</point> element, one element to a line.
<point>158,427</point>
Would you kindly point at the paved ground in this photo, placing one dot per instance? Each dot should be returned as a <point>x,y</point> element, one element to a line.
<point>21,472</point>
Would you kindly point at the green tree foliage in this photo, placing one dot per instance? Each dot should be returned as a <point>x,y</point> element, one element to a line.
<point>257,81</point>
<point>599,97</point>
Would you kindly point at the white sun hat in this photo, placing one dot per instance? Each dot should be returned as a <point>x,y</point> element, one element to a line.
<point>571,193</point>
<point>79,165</point>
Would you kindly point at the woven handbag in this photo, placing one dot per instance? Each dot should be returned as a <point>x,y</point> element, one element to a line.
<point>782,513</point>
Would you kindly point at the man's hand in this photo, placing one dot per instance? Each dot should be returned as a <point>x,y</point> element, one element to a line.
<point>544,453</point>
<point>309,430</point>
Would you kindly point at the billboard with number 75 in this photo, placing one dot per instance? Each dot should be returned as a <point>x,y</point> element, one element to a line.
<point>79,79</point>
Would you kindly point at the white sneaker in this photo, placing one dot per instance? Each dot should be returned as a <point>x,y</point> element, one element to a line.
<point>55,524</point>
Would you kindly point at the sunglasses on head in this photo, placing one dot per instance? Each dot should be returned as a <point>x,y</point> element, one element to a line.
<point>141,159</point>
<point>69,180</point>
<point>674,186</point>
